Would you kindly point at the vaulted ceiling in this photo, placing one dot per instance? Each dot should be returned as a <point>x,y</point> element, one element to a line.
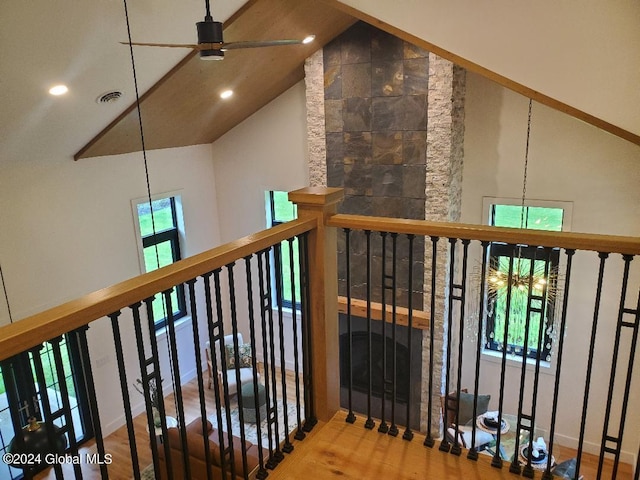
<point>185,108</point>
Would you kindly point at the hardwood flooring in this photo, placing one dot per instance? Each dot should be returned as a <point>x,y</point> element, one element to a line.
<point>333,450</point>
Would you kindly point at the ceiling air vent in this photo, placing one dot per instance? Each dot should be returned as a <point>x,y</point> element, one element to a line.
<point>109,97</point>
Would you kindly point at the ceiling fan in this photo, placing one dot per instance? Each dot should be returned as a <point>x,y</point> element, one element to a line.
<point>211,44</point>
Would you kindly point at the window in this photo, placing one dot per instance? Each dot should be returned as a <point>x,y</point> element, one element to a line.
<point>281,210</point>
<point>160,249</point>
<point>533,282</point>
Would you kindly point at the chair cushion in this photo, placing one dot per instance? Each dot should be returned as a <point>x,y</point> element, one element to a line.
<point>244,355</point>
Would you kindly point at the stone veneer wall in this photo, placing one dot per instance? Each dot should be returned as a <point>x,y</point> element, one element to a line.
<point>394,130</point>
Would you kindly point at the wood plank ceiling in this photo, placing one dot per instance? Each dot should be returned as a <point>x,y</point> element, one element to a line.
<point>184,107</point>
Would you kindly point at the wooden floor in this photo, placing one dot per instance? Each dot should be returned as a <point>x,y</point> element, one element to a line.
<point>335,450</point>
<point>341,450</point>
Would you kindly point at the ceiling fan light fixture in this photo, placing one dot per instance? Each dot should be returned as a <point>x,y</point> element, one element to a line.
<point>211,55</point>
<point>209,31</point>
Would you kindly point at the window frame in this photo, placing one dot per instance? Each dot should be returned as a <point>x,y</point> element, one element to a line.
<point>497,249</point>
<point>273,221</point>
<point>173,236</point>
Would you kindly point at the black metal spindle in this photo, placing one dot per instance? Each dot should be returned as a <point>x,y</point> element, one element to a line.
<point>369,423</point>
<point>145,377</point>
<point>408,434</point>
<point>47,414</point>
<point>445,446</point>
<point>429,441</point>
<point>383,427</point>
<point>635,326</point>
<point>614,364</point>
<point>515,462</point>
<point>350,418</point>
<point>543,300</point>
<point>592,345</point>
<point>265,306</point>
<point>216,341</point>
<point>156,377</point>
<point>193,308</point>
<point>497,459</point>
<point>226,396</point>
<point>547,475</point>
<point>124,388</point>
<point>462,299</point>
<point>307,345</point>
<point>393,429</point>
<point>299,435</point>
<point>177,394</point>
<point>262,472</point>
<point>473,452</point>
<point>236,353</point>
<point>89,387</point>
<point>277,456</point>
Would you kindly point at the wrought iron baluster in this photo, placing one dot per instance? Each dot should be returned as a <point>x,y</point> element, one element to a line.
<point>473,452</point>
<point>193,308</point>
<point>383,427</point>
<point>369,423</point>
<point>408,434</point>
<point>393,429</point>
<point>124,388</point>
<point>547,475</point>
<point>351,418</point>
<point>299,435</point>
<point>429,441</point>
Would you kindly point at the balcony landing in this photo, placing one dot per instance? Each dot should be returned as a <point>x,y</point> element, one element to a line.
<point>340,450</point>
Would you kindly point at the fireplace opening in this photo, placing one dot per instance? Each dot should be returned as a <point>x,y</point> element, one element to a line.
<point>408,387</point>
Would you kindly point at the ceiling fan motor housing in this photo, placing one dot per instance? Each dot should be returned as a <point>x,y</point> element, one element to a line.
<point>210,31</point>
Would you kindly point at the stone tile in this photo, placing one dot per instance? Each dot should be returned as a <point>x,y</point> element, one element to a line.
<point>413,209</point>
<point>413,181</point>
<point>356,80</point>
<point>356,205</point>
<point>356,44</point>
<point>385,47</point>
<point>387,113</point>
<point>416,76</point>
<point>357,147</point>
<point>387,180</point>
<point>414,147</point>
<point>357,178</point>
<point>335,146</point>
<point>413,51</point>
<point>387,148</point>
<point>332,53</point>
<point>415,112</point>
<point>333,82</point>
<point>388,206</point>
<point>333,115</point>
<point>356,114</point>
<point>387,79</point>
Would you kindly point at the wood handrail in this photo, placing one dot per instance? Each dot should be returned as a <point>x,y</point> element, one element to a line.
<point>43,326</point>
<point>567,240</point>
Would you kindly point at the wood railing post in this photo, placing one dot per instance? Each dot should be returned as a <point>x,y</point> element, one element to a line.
<point>320,203</point>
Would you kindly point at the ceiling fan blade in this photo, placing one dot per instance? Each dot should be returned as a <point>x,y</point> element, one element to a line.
<point>169,45</point>
<point>271,43</point>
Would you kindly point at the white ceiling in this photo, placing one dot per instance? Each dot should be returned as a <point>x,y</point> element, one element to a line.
<point>76,42</point>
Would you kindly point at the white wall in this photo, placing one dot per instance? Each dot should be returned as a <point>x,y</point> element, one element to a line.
<point>569,161</point>
<point>68,229</point>
<point>582,52</point>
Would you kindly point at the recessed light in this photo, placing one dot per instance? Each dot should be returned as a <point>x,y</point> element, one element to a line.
<point>309,39</point>
<point>58,90</point>
<point>226,94</point>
